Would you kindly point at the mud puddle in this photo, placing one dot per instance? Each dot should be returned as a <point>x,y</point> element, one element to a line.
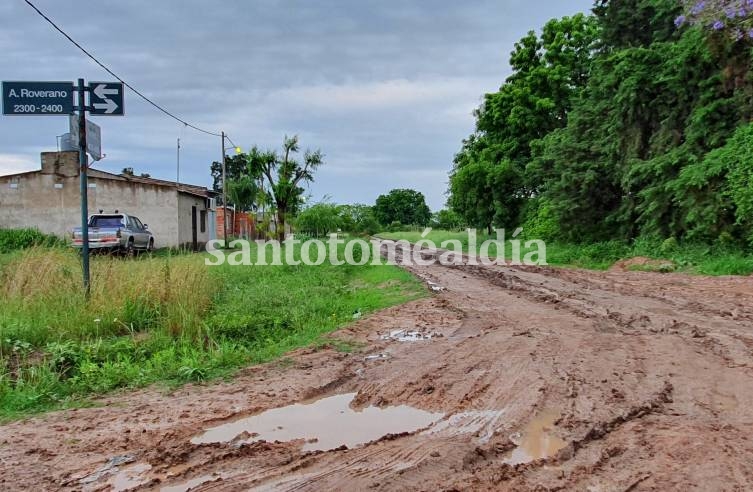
<point>324,424</point>
<point>407,336</point>
<point>129,477</point>
<point>536,441</point>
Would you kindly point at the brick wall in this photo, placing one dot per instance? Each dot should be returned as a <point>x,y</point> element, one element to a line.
<point>240,224</point>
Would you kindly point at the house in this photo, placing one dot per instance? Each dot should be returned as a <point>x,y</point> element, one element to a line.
<point>178,214</point>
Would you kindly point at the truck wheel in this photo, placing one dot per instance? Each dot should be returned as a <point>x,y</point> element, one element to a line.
<point>150,246</point>
<point>129,250</point>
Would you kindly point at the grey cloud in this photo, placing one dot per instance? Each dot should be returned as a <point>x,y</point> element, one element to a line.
<point>384,88</point>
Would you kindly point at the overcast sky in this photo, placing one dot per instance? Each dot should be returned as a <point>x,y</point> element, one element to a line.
<point>384,88</point>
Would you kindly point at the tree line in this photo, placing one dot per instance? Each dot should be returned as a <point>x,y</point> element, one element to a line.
<point>633,121</point>
<point>272,183</point>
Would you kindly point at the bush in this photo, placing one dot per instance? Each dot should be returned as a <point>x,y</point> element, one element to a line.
<point>447,220</point>
<point>669,245</point>
<point>539,220</point>
<point>358,219</point>
<point>16,239</point>
<point>319,220</point>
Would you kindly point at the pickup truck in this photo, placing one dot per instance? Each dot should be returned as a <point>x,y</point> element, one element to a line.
<point>116,232</point>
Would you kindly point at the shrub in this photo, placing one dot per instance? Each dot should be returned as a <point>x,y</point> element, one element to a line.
<point>539,220</point>
<point>669,245</point>
<point>15,239</point>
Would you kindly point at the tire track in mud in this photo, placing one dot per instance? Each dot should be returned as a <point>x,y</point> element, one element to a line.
<point>651,388</point>
<point>629,312</point>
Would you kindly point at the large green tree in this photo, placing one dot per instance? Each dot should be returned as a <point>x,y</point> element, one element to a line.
<point>235,167</point>
<point>657,101</point>
<point>319,219</point>
<point>284,175</point>
<point>632,122</point>
<point>404,206</point>
<point>489,184</point>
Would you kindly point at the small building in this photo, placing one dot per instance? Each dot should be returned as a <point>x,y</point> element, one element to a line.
<point>179,215</point>
<point>239,225</point>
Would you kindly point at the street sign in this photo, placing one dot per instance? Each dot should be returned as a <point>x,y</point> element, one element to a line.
<point>56,98</point>
<point>93,137</point>
<point>106,98</point>
<point>37,98</point>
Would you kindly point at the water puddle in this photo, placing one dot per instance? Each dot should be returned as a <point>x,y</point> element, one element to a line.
<point>407,336</point>
<point>109,468</point>
<point>324,424</point>
<point>191,484</point>
<point>536,441</point>
<point>129,477</point>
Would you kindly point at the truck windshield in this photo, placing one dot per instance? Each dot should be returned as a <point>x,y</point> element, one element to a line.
<point>106,221</point>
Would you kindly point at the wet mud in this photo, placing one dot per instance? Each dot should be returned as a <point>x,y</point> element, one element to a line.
<point>504,378</point>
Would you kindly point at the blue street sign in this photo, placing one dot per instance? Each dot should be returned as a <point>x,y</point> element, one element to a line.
<point>106,98</point>
<point>37,98</point>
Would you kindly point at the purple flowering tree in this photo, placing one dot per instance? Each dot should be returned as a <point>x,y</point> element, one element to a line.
<point>733,16</point>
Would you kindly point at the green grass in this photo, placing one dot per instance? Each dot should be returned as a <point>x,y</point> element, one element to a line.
<point>688,258</point>
<point>167,319</point>
<point>17,239</point>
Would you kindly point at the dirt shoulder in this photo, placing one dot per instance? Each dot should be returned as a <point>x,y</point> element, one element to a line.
<point>623,380</point>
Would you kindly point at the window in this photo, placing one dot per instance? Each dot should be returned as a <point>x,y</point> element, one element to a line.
<point>106,221</point>
<point>138,224</point>
<point>203,220</point>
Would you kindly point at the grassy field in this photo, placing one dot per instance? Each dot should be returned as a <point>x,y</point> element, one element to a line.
<point>165,318</point>
<point>692,258</point>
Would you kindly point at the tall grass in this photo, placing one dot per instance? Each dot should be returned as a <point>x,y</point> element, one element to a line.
<point>43,299</point>
<point>166,318</point>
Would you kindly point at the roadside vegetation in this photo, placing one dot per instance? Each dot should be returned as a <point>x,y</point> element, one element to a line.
<point>17,239</point>
<point>164,318</point>
<point>671,255</point>
<point>618,131</point>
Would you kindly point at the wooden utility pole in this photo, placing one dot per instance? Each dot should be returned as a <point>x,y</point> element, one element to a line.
<point>224,193</point>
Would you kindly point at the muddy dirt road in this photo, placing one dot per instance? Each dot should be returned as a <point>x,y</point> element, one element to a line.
<point>506,378</point>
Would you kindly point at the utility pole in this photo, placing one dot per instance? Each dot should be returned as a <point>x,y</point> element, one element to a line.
<point>177,180</point>
<point>224,193</point>
<point>83,165</point>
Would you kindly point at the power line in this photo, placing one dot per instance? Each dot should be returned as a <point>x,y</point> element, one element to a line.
<point>142,96</point>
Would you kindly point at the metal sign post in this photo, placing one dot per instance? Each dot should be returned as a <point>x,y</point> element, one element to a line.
<point>56,98</point>
<point>83,165</point>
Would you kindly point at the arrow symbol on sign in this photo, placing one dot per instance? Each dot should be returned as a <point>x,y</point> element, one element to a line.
<point>109,106</point>
<point>101,91</point>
